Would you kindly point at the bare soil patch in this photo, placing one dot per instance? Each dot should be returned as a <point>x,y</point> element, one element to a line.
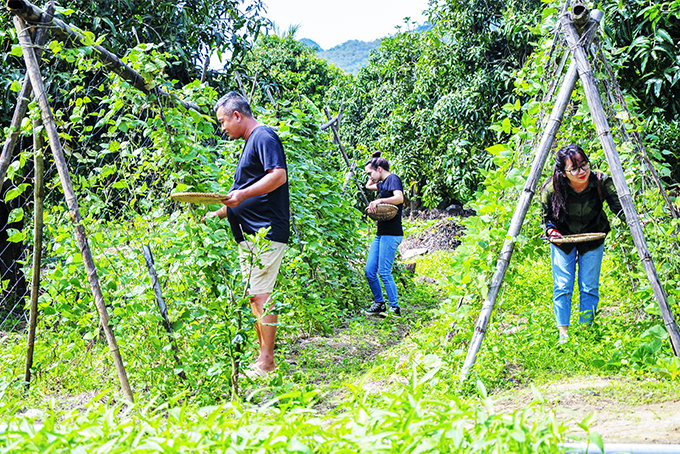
<point>617,422</point>
<point>442,236</point>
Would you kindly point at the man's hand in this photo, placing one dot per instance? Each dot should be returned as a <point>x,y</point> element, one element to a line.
<point>209,214</point>
<point>235,198</point>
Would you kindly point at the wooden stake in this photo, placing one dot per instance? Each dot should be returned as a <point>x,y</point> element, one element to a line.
<point>542,153</point>
<point>38,197</point>
<point>15,126</point>
<point>602,126</point>
<point>70,196</point>
<point>38,190</point>
<point>240,85</point>
<point>336,135</point>
<point>160,302</point>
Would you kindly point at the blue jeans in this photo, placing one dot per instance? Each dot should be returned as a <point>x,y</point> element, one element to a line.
<point>379,263</point>
<point>564,273</point>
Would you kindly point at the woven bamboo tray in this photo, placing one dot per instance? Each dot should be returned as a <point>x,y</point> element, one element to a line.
<point>384,212</point>
<point>199,197</point>
<point>578,238</point>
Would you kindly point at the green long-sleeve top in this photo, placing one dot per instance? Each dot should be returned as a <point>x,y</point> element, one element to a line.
<point>584,211</point>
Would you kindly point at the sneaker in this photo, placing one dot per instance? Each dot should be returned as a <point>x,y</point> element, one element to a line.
<point>375,309</point>
<point>395,311</point>
<point>563,338</point>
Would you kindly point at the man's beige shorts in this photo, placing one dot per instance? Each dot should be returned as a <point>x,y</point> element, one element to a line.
<point>263,276</point>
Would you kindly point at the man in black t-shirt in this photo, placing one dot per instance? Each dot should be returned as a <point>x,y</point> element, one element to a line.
<point>258,199</point>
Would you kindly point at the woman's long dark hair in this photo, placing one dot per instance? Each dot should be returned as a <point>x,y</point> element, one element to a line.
<point>560,182</point>
<point>376,161</point>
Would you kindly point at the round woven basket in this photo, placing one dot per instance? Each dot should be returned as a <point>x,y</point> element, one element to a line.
<point>383,212</point>
<point>199,197</point>
<point>578,238</point>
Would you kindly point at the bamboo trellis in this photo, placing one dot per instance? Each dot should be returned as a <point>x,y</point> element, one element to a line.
<point>577,16</point>
<point>33,71</point>
<point>333,123</point>
<point>25,12</point>
<point>32,14</point>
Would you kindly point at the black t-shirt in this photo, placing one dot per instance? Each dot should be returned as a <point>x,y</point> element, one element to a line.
<point>263,151</point>
<point>386,189</point>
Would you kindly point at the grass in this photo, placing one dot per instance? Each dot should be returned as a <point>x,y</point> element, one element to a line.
<point>356,377</point>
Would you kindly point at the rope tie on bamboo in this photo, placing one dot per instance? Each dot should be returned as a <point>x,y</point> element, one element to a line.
<point>35,46</point>
<point>606,132</point>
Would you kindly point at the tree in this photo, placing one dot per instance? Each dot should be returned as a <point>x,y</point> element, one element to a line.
<point>190,30</point>
<point>289,68</point>
<point>428,98</point>
<point>642,42</point>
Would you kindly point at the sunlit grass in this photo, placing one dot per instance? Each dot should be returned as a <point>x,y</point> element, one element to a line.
<point>327,382</point>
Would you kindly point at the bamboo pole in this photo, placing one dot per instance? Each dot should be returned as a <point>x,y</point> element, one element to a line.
<point>240,85</point>
<point>542,153</point>
<point>336,136</point>
<point>160,302</point>
<point>24,97</point>
<point>31,13</point>
<point>70,196</point>
<point>15,126</point>
<point>602,126</point>
<point>636,136</point>
<point>38,197</point>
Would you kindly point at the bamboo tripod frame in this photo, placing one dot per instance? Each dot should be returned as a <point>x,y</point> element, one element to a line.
<point>34,83</point>
<point>579,68</point>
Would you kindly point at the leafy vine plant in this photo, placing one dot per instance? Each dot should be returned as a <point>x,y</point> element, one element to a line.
<point>127,153</point>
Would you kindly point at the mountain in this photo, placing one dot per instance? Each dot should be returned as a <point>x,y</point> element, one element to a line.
<point>311,44</point>
<point>352,55</point>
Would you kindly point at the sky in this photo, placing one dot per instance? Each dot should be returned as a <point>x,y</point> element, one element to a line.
<point>329,23</point>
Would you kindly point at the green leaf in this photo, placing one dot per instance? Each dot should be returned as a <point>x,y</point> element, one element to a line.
<point>15,215</point>
<point>15,192</point>
<point>15,236</point>
<point>64,11</point>
<point>16,51</point>
<point>597,439</point>
<point>496,149</point>
<point>518,436</point>
<point>507,126</point>
<point>656,331</point>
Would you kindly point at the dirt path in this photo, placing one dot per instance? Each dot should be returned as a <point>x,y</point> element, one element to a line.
<point>616,421</point>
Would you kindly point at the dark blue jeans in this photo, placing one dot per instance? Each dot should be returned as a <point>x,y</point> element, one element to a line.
<point>379,263</point>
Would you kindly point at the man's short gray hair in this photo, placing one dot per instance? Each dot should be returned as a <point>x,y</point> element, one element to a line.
<point>234,102</point>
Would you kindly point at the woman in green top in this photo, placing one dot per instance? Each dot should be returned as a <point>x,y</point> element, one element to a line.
<point>572,203</point>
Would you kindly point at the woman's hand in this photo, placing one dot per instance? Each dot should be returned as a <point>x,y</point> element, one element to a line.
<point>373,206</point>
<point>554,233</point>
